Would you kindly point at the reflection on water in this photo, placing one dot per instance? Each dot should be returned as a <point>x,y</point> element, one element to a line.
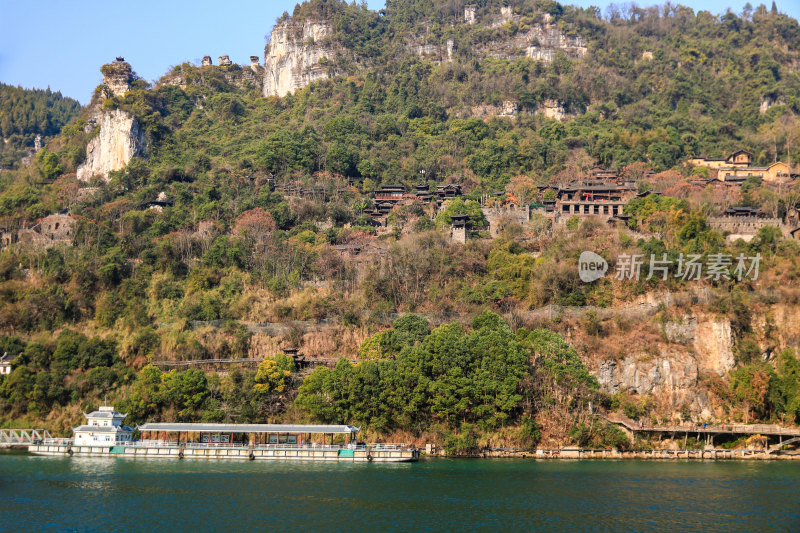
<point>96,493</point>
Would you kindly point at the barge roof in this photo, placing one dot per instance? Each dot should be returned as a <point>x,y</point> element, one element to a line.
<point>248,428</point>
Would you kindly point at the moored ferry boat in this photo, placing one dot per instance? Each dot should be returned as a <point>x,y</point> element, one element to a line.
<point>104,435</point>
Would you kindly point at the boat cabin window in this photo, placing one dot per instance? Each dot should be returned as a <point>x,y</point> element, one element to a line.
<point>291,439</point>
<point>273,439</point>
<point>282,439</point>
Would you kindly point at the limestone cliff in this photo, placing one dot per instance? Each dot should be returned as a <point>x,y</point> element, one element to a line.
<point>118,135</point>
<point>119,139</point>
<point>673,365</point>
<point>301,51</point>
<point>117,77</point>
<point>297,54</point>
<point>538,37</point>
<point>679,366</point>
<point>671,376</point>
<point>713,345</point>
<point>540,42</point>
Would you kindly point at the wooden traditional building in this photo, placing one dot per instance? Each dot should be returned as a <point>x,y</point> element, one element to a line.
<point>599,173</point>
<point>422,193</point>
<point>447,191</point>
<point>587,199</point>
<point>389,193</point>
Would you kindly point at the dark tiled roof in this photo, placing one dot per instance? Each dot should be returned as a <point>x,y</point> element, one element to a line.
<point>6,358</point>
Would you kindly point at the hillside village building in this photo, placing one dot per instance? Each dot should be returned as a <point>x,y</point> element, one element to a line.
<point>744,222</point>
<point>389,196</point>
<point>5,363</point>
<point>739,158</point>
<point>771,174</point>
<point>603,198</point>
<point>737,167</point>
<point>47,231</point>
<point>459,228</point>
<point>602,193</point>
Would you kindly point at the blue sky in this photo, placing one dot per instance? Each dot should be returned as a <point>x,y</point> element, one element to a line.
<point>62,44</point>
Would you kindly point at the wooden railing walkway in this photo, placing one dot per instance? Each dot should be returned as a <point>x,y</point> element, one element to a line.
<point>310,361</point>
<point>205,362</point>
<point>717,429</point>
<point>781,444</point>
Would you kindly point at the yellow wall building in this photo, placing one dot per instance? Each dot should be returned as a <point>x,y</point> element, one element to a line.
<point>773,173</point>
<point>736,167</point>
<point>740,158</point>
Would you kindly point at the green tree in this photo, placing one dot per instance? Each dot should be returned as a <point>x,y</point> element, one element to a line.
<point>458,206</point>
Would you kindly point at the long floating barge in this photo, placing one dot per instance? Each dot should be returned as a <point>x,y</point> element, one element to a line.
<point>104,435</point>
<point>379,453</point>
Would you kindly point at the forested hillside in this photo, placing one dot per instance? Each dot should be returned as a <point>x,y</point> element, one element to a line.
<point>26,113</point>
<point>243,228</point>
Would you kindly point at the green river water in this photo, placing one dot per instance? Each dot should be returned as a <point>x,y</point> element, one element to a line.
<point>116,494</point>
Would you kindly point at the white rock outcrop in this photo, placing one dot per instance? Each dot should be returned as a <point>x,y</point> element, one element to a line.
<point>120,138</point>
<point>470,14</point>
<point>670,376</point>
<point>296,55</point>
<point>672,372</point>
<point>713,345</point>
<point>552,109</point>
<point>117,77</point>
<point>768,102</point>
<point>710,338</point>
<point>507,108</point>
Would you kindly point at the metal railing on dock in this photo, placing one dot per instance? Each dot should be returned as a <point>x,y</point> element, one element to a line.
<point>22,437</point>
<point>58,441</point>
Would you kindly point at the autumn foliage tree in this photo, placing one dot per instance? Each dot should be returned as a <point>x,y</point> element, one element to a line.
<point>523,189</point>
<point>256,227</point>
<point>274,374</point>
